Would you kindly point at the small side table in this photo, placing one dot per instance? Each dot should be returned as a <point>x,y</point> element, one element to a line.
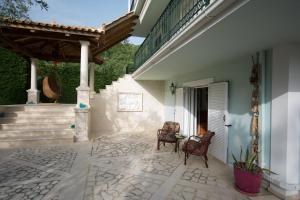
<point>179,138</point>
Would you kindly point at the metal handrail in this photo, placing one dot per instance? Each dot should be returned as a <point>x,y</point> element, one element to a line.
<point>175,17</point>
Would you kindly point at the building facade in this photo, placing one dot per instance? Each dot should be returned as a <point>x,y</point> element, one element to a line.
<point>205,50</point>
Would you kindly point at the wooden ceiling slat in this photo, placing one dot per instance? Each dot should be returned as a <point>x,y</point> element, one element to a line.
<point>15,46</point>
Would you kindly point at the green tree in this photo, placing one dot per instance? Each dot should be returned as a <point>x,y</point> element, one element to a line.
<point>17,9</point>
<point>13,77</point>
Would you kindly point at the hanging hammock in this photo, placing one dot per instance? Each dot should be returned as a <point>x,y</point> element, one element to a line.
<point>51,88</point>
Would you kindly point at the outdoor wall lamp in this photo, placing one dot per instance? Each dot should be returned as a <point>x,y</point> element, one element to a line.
<point>173,88</point>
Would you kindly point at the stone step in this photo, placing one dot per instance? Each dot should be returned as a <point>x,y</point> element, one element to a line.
<point>108,87</point>
<point>35,119</point>
<point>35,126</point>
<point>39,108</point>
<point>127,76</point>
<point>39,114</point>
<point>35,141</point>
<point>116,83</point>
<point>38,134</point>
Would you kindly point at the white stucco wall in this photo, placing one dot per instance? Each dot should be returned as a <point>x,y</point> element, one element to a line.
<point>107,119</point>
<point>285,135</point>
<point>237,72</point>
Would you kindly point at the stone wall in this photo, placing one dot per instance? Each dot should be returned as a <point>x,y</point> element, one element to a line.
<point>107,119</point>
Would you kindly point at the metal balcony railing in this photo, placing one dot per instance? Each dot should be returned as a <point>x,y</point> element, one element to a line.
<point>175,17</point>
<point>132,5</point>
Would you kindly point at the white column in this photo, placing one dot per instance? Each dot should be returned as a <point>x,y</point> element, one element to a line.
<point>83,91</point>
<point>84,63</point>
<point>285,130</point>
<point>33,74</point>
<point>33,93</point>
<point>92,80</point>
<point>82,110</point>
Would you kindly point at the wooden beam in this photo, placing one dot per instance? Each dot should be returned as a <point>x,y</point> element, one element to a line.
<point>23,39</point>
<point>31,43</point>
<point>98,60</point>
<point>120,28</point>
<point>130,17</point>
<point>47,35</point>
<point>120,33</point>
<point>114,40</point>
<point>33,27</point>
<point>15,46</point>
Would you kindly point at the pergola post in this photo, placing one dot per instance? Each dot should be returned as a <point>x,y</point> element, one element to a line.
<point>92,80</point>
<point>82,110</point>
<point>33,92</point>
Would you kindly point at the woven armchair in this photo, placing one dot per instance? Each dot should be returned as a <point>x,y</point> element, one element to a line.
<point>197,146</point>
<point>167,134</point>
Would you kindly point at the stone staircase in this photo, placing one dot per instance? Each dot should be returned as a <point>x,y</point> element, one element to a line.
<point>24,125</point>
<point>120,84</point>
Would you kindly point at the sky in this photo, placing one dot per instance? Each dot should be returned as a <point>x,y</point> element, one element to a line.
<point>82,13</point>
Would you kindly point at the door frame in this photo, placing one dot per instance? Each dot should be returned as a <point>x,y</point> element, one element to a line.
<point>205,83</point>
<point>198,83</point>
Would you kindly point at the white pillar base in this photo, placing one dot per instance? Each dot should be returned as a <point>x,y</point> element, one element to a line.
<point>83,96</point>
<point>33,96</point>
<point>284,192</point>
<point>92,94</point>
<point>82,121</point>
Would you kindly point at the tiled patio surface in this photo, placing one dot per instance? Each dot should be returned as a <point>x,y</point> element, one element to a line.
<point>121,166</point>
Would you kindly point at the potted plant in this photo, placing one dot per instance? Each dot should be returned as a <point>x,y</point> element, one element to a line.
<point>247,174</point>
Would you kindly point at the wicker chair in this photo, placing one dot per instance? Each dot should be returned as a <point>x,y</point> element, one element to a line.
<point>197,146</point>
<point>167,134</point>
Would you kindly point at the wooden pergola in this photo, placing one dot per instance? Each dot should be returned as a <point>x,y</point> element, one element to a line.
<point>54,42</point>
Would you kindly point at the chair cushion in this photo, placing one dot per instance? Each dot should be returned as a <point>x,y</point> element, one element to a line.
<point>167,136</point>
<point>193,147</point>
<point>171,126</point>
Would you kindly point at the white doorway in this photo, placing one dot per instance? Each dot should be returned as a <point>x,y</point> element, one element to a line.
<point>201,107</point>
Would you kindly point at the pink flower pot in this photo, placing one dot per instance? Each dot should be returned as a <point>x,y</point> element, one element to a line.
<point>247,182</point>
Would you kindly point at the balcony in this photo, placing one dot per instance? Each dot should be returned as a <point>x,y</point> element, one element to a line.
<point>177,15</point>
<point>132,5</point>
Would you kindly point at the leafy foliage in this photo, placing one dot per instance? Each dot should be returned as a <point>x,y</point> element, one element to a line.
<point>19,8</point>
<point>249,163</point>
<point>13,78</point>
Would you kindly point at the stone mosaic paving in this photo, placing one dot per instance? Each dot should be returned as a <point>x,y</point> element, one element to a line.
<point>203,176</point>
<point>58,156</point>
<point>183,192</point>
<point>23,173</point>
<point>160,165</point>
<point>111,184</point>
<point>119,166</point>
<point>31,191</point>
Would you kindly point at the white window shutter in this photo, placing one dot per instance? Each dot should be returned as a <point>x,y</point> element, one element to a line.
<point>217,114</point>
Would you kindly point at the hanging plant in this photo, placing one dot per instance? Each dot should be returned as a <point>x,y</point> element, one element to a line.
<point>255,82</point>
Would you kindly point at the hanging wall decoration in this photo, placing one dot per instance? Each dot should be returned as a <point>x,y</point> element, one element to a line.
<point>255,82</point>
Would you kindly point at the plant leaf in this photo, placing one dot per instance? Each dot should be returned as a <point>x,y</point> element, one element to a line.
<point>247,155</point>
<point>241,153</point>
<point>268,171</point>
<point>250,163</point>
<point>234,158</point>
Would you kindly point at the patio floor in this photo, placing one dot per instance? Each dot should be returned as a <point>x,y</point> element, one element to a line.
<point>121,166</point>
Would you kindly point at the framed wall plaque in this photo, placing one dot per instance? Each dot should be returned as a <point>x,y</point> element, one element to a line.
<point>130,102</point>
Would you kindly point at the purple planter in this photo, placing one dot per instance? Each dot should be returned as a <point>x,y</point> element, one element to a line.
<point>246,181</point>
